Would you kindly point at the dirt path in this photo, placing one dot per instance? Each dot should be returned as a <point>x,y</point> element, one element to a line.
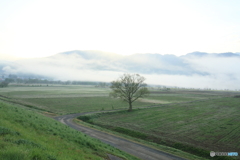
<point>136,149</point>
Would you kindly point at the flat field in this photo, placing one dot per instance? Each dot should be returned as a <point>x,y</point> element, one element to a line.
<point>53,91</point>
<point>212,124</point>
<point>205,119</point>
<point>65,99</point>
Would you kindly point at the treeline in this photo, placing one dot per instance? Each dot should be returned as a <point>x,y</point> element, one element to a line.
<point>4,83</point>
<point>48,82</point>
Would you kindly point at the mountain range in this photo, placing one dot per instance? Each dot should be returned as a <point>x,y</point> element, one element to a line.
<point>145,63</point>
<point>92,65</point>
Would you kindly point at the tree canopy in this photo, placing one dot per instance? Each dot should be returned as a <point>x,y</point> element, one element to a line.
<point>4,84</point>
<point>129,88</point>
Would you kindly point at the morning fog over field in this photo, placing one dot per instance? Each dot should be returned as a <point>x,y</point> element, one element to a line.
<point>129,79</point>
<point>196,69</point>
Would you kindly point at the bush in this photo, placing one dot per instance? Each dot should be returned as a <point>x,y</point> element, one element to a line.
<point>84,118</point>
<point>88,118</point>
<point>130,132</point>
<point>4,84</point>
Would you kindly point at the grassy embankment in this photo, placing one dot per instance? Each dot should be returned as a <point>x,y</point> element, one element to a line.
<point>27,135</point>
<point>198,127</point>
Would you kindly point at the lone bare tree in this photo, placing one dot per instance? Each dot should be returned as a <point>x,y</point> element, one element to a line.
<point>129,88</point>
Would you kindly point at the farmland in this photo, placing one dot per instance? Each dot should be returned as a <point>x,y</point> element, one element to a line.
<point>65,99</point>
<point>211,124</point>
<point>203,119</point>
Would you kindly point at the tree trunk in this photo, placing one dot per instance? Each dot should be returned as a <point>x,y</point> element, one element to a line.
<point>130,107</point>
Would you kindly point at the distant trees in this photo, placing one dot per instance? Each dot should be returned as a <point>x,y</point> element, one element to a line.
<point>4,84</point>
<point>102,85</point>
<point>129,88</point>
<point>45,81</point>
<point>9,80</point>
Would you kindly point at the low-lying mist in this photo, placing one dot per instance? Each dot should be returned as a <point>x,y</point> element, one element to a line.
<point>208,71</point>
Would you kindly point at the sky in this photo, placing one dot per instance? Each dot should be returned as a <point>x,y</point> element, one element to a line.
<point>40,28</point>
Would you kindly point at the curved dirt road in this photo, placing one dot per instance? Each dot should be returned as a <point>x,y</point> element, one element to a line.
<point>138,150</point>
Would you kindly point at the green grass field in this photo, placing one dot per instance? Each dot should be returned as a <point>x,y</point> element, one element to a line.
<point>212,124</point>
<point>55,91</point>
<point>65,99</point>
<point>180,97</point>
<point>80,104</point>
<point>203,119</point>
<point>27,135</point>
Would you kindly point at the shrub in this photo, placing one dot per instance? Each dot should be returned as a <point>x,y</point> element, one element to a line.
<point>130,132</point>
<point>84,118</point>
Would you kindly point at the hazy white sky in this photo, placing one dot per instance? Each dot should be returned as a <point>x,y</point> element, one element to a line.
<point>36,28</point>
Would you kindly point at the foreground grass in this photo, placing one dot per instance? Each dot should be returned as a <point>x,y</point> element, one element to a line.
<point>26,135</point>
<point>210,125</point>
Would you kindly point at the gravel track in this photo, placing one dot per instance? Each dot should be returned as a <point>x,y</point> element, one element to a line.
<point>133,148</point>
